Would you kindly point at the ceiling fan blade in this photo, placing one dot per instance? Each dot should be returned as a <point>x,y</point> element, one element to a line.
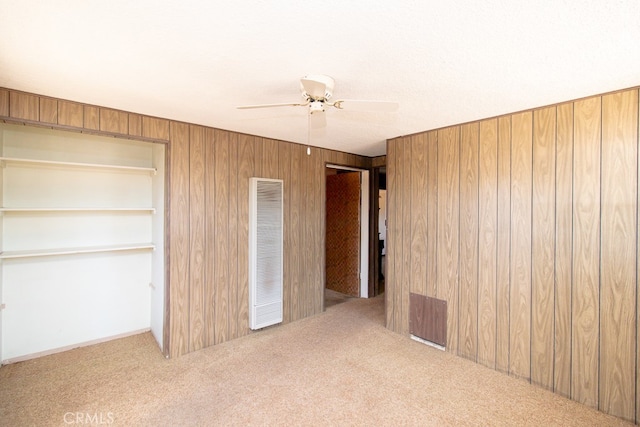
<point>314,88</point>
<point>358,105</point>
<point>246,107</point>
<point>317,120</point>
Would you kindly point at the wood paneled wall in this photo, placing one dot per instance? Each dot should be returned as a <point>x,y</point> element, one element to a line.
<point>207,187</point>
<point>210,171</point>
<point>527,225</point>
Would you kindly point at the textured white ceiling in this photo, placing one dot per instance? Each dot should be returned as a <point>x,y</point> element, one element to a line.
<point>444,62</point>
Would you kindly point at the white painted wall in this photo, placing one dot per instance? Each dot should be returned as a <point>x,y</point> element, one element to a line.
<point>62,301</point>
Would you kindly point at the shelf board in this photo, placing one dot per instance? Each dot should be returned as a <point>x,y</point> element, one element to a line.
<point>76,164</point>
<point>151,210</point>
<point>74,251</point>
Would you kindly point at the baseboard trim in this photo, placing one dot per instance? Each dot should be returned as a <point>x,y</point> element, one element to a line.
<point>72,346</point>
<point>429,343</point>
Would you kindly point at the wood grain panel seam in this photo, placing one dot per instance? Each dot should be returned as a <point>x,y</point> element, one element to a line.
<point>555,243</point>
<point>457,282</point>
<point>599,326</point>
<point>437,212</point>
<point>637,286</point>
<point>477,243</point>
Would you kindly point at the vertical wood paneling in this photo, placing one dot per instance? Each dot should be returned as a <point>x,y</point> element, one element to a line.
<point>91,117</point>
<point>221,274</point>
<point>637,358</point>
<point>197,242</point>
<point>245,171</point>
<point>319,230</point>
<point>563,258</point>
<point>302,170</point>
<point>70,114</point>
<point>210,302</point>
<point>487,241</point>
<point>269,158</point>
<point>48,110</point>
<point>406,237</point>
<point>284,173</point>
<point>4,102</point>
<point>233,237</point>
<point>520,299</point>
<point>155,128</point>
<point>24,106</point>
<point>178,238</point>
<point>586,251</point>
<point>315,240</point>
<point>557,224</point>
<point>401,255</point>
<point>328,157</point>
<point>398,264</point>
<point>306,294</point>
<point>448,228</point>
<point>295,248</point>
<point>618,240</point>
<point>637,414</point>
<point>309,231</point>
<point>114,121</point>
<point>432,213</point>
<point>418,205</point>
<point>503,268</point>
<point>259,156</point>
<point>331,157</point>
<point>468,297</point>
<point>543,247</point>
<point>309,228</point>
<point>392,232</point>
<point>135,124</point>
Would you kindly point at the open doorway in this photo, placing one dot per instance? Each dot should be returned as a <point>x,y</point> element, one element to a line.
<point>347,234</point>
<point>380,227</point>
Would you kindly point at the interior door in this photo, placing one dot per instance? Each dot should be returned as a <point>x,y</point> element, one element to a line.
<point>343,232</point>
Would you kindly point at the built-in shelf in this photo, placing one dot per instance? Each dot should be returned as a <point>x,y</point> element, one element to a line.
<point>150,210</point>
<point>75,251</point>
<point>76,164</point>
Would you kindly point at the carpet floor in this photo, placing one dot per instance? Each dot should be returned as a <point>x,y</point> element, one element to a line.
<point>342,367</point>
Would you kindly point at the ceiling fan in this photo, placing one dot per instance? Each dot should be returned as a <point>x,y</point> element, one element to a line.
<point>317,90</point>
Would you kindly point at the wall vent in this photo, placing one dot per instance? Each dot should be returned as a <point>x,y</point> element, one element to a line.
<point>428,319</point>
<point>265,252</point>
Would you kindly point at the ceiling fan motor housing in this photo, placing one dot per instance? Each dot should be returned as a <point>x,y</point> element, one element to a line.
<point>327,81</point>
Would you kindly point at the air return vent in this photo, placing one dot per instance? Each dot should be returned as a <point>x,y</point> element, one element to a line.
<point>265,252</point>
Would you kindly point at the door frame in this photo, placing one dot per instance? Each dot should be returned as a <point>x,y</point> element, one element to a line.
<point>364,226</point>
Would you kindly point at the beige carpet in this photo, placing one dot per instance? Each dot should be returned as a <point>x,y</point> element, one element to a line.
<point>332,298</point>
<point>338,368</point>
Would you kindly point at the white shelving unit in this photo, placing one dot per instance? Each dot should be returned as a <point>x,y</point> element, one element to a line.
<point>74,251</point>
<point>78,164</point>
<point>82,238</point>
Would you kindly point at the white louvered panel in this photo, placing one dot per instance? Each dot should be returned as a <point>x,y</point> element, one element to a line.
<point>265,252</point>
